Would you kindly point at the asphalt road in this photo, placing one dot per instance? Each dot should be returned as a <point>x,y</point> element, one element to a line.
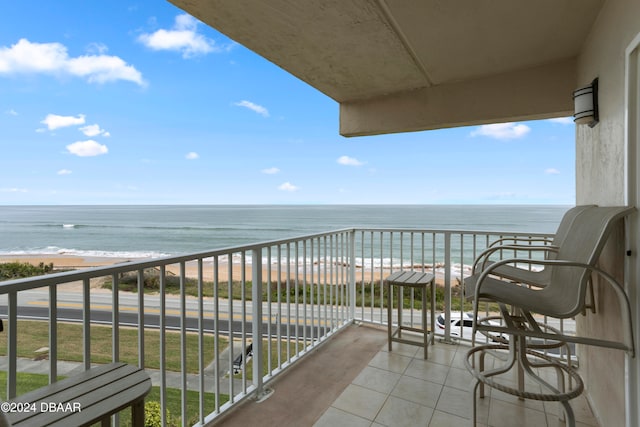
<point>152,320</point>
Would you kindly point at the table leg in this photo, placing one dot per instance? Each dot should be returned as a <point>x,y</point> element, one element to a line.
<point>400,295</point>
<point>425,331</point>
<point>389,310</point>
<point>433,311</point>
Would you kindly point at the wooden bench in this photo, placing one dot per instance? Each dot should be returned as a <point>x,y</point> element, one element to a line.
<point>84,399</point>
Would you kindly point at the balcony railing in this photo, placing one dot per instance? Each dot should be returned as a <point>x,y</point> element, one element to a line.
<point>309,288</point>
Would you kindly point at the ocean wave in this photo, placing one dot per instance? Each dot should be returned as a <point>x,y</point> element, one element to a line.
<point>205,228</point>
<point>55,250</point>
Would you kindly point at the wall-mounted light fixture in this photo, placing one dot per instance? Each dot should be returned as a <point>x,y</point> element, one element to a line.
<point>585,102</point>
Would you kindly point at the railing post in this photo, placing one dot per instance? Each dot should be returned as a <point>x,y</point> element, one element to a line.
<point>352,275</point>
<point>447,287</point>
<point>256,326</point>
<point>12,345</point>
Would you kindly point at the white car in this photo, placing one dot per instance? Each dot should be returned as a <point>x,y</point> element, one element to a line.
<point>464,325</point>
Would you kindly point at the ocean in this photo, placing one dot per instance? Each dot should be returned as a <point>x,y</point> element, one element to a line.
<point>155,231</point>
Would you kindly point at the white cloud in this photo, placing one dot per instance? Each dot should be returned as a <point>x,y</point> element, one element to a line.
<point>349,161</point>
<point>551,171</point>
<point>87,148</point>
<point>13,190</point>
<point>253,107</point>
<point>502,130</point>
<point>12,112</point>
<point>192,155</point>
<point>562,120</point>
<point>64,172</point>
<point>183,37</point>
<point>287,186</point>
<point>271,171</point>
<point>94,130</point>
<point>54,121</point>
<point>53,58</point>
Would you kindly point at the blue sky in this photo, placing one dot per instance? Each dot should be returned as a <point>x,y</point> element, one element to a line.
<point>137,103</point>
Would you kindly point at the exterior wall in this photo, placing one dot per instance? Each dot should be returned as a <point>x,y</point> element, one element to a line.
<point>600,158</point>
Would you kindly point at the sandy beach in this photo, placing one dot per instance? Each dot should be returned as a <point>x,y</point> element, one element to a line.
<point>63,261</point>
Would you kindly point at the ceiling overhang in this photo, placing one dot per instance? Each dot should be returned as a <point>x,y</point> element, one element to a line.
<point>398,65</point>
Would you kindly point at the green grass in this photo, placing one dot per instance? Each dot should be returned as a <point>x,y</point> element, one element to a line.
<point>33,335</point>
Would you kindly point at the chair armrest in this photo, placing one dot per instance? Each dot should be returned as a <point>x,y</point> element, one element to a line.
<point>517,240</point>
<point>623,298</point>
<point>482,259</point>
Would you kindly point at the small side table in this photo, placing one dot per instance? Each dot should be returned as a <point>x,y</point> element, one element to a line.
<point>413,279</point>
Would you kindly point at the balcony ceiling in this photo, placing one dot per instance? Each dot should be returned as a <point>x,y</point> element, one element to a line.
<point>399,65</point>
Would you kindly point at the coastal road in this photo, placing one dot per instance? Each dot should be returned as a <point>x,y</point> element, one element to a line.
<point>35,305</point>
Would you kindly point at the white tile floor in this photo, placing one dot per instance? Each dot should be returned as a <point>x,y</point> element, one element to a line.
<point>400,388</point>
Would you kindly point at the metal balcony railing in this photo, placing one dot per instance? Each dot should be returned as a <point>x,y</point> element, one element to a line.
<point>203,308</point>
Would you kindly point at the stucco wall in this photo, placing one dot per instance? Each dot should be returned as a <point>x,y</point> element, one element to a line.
<point>600,178</point>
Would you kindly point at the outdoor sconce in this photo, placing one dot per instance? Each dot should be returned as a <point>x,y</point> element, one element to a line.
<point>585,102</point>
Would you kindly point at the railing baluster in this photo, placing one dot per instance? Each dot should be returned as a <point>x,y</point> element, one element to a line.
<point>327,304</point>
<point>372,273</point>
<point>163,346</point>
<point>256,327</point>
<point>201,347</point>
<point>115,318</point>
<point>447,287</point>
<point>183,340</point>
<point>269,312</point>
<point>216,330</point>
<point>86,323</point>
<point>141,321</point>
<point>243,317</point>
<point>231,311</point>
<point>304,293</point>
<point>288,286</point>
<point>12,344</point>
<point>296,295</point>
<point>333,285</point>
<point>53,333</point>
<point>279,319</point>
<point>311,292</point>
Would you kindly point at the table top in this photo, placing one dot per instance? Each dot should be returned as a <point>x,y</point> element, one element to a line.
<point>409,278</point>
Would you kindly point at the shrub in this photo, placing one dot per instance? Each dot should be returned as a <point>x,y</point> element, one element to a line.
<point>152,415</point>
<point>17,270</point>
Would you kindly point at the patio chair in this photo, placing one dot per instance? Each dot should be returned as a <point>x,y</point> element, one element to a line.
<point>563,296</point>
<point>549,247</point>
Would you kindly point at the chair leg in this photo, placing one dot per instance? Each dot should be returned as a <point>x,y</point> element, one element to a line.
<point>474,416</point>
<point>570,418</point>
<point>137,413</point>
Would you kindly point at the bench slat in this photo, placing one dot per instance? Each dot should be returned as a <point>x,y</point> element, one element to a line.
<point>106,407</point>
<point>100,392</point>
<point>96,403</point>
<point>70,389</point>
<point>87,377</point>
